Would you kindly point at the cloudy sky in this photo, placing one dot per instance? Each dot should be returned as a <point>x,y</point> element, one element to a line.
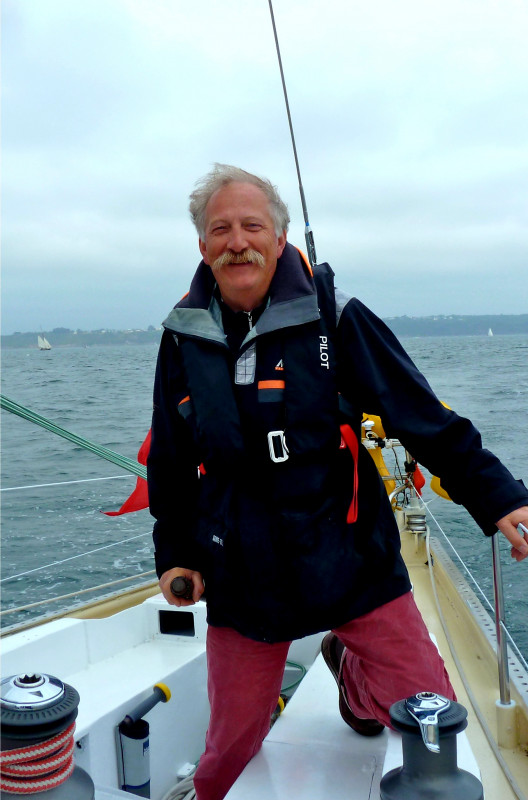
<point>411,120</point>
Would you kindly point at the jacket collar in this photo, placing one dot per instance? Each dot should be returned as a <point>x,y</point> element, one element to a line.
<point>292,301</point>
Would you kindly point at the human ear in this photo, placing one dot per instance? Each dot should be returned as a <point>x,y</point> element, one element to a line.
<point>203,251</point>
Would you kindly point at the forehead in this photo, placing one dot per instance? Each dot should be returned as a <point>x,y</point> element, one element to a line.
<point>237,200</point>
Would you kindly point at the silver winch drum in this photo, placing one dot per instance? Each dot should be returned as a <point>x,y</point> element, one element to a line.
<point>35,707</point>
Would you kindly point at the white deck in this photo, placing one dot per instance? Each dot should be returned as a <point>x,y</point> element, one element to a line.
<point>311,754</point>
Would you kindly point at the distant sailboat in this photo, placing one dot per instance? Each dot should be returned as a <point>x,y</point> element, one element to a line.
<point>43,343</point>
<point>490,332</point>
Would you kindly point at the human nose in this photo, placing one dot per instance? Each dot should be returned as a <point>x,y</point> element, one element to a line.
<point>237,241</point>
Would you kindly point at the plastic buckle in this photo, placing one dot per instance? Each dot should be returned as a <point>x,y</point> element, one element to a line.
<point>277,446</point>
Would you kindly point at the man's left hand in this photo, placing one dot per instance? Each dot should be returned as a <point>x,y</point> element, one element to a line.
<point>508,526</point>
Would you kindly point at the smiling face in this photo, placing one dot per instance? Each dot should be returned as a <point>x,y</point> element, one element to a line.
<point>238,221</point>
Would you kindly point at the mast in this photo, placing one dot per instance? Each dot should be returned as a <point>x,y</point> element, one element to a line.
<point>308,234</point>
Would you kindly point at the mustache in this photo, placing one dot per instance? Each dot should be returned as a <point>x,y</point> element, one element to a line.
<point>229,257</point>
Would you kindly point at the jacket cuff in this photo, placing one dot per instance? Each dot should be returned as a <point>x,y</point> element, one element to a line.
<point>487,515</point>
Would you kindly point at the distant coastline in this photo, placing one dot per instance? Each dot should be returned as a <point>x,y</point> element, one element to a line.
<point>459,325</point>
<point>440,325</point>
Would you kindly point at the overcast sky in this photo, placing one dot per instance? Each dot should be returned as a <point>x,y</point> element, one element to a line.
<point>411,119</point>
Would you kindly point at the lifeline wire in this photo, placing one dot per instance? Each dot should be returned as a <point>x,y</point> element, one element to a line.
<point>72,558</point>
<point>308,234</point>
<point>61,597</point>
<point>476,708</point>
<point>510,638</point>
<point>61,483</point>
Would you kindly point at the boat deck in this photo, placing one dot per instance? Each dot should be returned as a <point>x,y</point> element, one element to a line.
<point>311,753</point>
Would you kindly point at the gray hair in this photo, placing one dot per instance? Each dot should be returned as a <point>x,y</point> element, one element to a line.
<point>222,175</point>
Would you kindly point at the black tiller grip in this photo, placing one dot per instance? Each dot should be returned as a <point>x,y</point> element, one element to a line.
<point>182,587</point>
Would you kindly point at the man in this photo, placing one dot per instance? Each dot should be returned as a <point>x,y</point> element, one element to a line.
<point>254,489</point>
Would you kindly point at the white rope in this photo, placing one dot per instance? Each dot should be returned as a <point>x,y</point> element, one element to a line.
<point>459,557</point>
<point>72,558</point>
<point>184,790</point>
<point>61,483</point>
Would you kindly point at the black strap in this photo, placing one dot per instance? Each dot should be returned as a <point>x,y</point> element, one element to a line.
<point>311,397</point>
<point>323,275</point>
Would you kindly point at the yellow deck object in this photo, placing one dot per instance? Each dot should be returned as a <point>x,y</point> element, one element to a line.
<point>376,452</point>
<point>436,486</point>
<point>378,425</point>
<point>165,690</point>
<point>379,461</point>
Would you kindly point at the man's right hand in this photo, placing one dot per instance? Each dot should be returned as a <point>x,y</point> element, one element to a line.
<point>177,572</point>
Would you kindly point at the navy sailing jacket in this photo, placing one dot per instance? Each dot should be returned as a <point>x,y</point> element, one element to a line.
<point>247,479</point>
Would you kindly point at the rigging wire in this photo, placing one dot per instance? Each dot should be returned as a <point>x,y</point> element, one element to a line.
<point>308,233</point>
<point>426,506</point>
<point>467,686</point>
<point>103,452</point>
<point>62,483</point>
<point>459,557</point>
<point>72,558</point>
<point>475,582</point>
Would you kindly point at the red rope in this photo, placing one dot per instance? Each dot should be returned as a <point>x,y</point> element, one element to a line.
<point>38,767</point>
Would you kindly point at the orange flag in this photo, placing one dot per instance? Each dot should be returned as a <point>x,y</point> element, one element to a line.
<point>418,480</point>
<point>139,497</point>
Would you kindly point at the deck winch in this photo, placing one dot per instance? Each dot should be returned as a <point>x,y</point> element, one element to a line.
<point>429,723</point>
<point>132,741</point>
<point>38,713</point>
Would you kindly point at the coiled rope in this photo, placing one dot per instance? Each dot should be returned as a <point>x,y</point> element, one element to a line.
<point>38,767</point>
<point>184,790</point>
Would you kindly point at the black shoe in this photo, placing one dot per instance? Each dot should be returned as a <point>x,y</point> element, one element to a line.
<point>333,649</point>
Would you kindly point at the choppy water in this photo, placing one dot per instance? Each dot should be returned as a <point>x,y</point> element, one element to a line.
<point>104,394</point>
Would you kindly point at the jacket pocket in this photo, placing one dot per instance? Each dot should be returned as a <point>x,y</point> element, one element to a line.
<point>309,530</point>
<point>318,555</point>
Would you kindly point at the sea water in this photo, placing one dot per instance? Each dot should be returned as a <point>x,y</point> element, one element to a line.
<point>55,540</point>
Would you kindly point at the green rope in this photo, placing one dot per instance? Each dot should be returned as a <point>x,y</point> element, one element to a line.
<point>103,452</point>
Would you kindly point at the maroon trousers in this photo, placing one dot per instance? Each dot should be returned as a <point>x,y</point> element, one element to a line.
<point>389,656</point>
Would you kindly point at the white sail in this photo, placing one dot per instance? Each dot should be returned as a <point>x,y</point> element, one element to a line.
<point>490,332</point>
<point>43,343</point>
